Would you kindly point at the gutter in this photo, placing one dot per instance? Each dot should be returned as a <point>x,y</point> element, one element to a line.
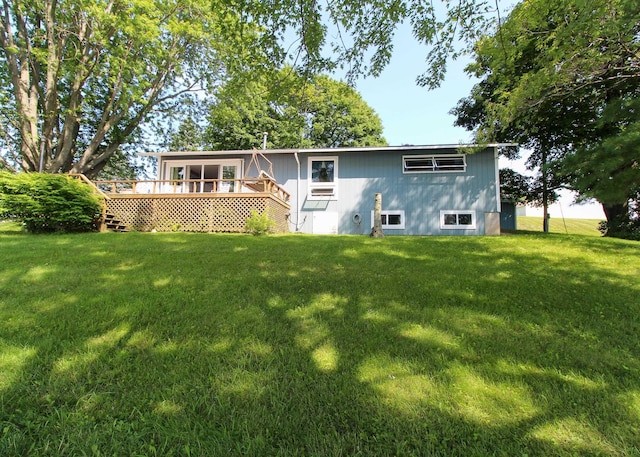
<point>497,166</point>
<point>295,154</point>
<point>405,148</point>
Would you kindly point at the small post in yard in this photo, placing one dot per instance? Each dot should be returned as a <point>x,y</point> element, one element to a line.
<point>376,231</point>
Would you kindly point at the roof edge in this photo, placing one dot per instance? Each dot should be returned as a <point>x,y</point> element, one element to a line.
<point>408,147</point>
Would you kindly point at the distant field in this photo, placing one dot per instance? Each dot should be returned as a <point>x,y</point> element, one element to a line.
<point>558,225</point>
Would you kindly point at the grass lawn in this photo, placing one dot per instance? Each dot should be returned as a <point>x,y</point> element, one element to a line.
<point>559,225</point>
<point>215,345</point>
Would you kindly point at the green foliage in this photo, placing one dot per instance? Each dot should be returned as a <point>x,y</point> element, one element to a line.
<point>294,111</point>
<point>102,69</point>
<point>81,78</point>
<point>622,226</point>
<point>562,78</point>
<point>337,116</point>
<point>259,223</point>
<point>609,170</point>
<point>358,34</point>
<point>171,344</point>
<point>188,137</point>
<point>49,203</point>
<point>515,187</point>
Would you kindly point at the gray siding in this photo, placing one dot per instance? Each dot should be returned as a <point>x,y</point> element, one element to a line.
<point>421,196</point>
<point>363,174</point>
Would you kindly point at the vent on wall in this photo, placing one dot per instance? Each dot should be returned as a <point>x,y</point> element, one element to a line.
<point>323,191</point>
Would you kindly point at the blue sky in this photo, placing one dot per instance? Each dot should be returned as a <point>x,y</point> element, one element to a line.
<point>412,114</point>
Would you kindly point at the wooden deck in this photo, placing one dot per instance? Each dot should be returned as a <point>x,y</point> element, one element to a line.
<point>263,184</point>
<point>194,205</point>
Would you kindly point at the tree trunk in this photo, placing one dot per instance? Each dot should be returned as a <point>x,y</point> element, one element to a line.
<point>545,217</point>
<point>376,231</point>
<point>545,193</point>
<point>615,214</point>
<point>612,211</point>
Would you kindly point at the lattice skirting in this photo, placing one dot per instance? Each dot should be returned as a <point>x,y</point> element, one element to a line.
<point>195,213</point>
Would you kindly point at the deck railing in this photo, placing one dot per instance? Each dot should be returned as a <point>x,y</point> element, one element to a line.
<point>92,184</point>
<point>194,186</point>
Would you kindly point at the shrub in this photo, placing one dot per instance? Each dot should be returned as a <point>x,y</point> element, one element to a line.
<point>621,227</point>
<point>47,203</point>
<point>258,224</point>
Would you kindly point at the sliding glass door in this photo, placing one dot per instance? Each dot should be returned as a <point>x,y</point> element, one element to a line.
<point>228,172</point>
<point>176,176</point>
<point>202,176</point>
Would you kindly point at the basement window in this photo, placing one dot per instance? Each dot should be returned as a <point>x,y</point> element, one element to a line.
<point>391,220</point>
<point>434,163</point>
<point>461,220</point>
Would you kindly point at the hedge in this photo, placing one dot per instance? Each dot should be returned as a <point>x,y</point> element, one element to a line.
<point>47,203</point>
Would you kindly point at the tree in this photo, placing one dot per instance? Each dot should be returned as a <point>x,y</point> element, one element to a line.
<point>552,71</point>
<point>609,170</point>
<point>188,137</point>
<point>514,186</point>
<point>80,78</point>
<point>246,106</point>
<point>338,116</point>
<point>363,31</point>
<point>295,112</point>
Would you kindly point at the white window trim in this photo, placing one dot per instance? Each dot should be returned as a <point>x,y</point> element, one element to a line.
<point>167,164</point>
<point>444,226</point>
<point>388,213</point>
<point>182,163</point>
<point>434,158</point>
<point>325,185</point>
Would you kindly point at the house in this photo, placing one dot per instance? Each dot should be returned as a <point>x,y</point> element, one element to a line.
<point>426,190</point>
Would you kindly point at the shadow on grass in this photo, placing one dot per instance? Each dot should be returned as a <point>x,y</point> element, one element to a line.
<point>177,344</point>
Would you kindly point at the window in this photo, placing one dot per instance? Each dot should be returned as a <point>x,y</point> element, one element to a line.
<point>391,220</point>
<point>228,172</point>
<point>198,176</point>
<point>323,177</point>
<point>434,164</point>
<point>463,220</point>
<point>176,175</point>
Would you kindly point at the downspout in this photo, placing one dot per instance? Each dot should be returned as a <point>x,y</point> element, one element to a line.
<point>295,154</point>
<point>496,156</point>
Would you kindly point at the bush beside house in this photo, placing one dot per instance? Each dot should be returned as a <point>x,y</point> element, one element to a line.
<point>47,203</point>
<point>259,223</point>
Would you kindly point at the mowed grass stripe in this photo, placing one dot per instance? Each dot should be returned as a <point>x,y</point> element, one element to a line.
<point>201,344</point>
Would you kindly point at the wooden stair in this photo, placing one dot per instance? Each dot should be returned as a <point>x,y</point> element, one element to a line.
<point>112,224</point>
